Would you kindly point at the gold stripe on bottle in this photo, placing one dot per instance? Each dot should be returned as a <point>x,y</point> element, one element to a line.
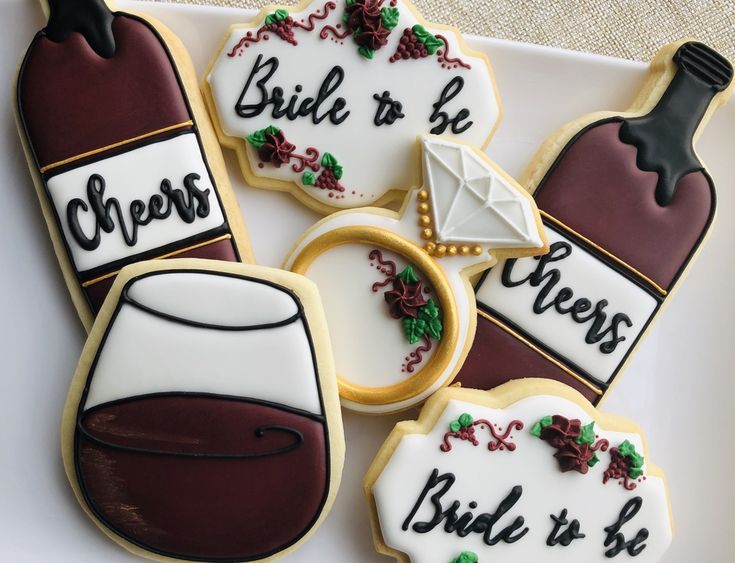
<point>116,145</point>
<point>162,257</point>
<point>539,351</point>
<point>607,253</point>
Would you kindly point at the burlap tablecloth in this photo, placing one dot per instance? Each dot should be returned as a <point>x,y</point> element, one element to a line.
<point>631,29</point>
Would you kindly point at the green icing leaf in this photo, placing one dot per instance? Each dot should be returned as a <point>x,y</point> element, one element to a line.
<point>366,52</point>
<point>389,17</point>
<point>337,171</point>
<point>626,448</point>
<point>466,557</point>
<point>257,139</point>
<point>429,41</point>
<point>328,160</point>
<point>408,275</point>
<point>540,425</point>
<point>587,434</point>
<point>465,419</point>
<point>277,16</point>
<point>349,3</point>
<point>593,461</point>
<point>308,179</point>
<point>429,311</point>
<point>414,329</point>
<point>434,328</point>
<point>455,426</point>
<point>433,44</point>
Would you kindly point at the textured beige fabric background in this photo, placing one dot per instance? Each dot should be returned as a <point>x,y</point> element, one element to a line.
<point>631,29</point>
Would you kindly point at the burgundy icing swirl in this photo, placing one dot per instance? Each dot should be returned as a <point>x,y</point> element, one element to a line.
<point>249,38</point>
<point>389,265</point>
<point>501,440</point>
<point>316,16</point>
<point>447,58</point>
<point>417,354</point>
<point>324,33</point>
<point>309,159</point>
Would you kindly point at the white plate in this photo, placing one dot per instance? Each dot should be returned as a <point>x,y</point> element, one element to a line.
<point>676,387</point>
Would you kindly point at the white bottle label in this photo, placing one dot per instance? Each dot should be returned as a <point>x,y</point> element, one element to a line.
<point>135,202</point>
<point>583,311</point>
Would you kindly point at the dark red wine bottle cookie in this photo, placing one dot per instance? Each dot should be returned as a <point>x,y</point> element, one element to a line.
<point>126,165</point>
<point>626,203</point>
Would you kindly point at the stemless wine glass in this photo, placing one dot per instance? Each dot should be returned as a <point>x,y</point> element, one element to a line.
<point>200,433</point>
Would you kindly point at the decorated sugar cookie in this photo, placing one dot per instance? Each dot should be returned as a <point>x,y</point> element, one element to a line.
<point>527,472</point>
<point>326,99</point>
<point>203,421</point>
<point>627,204</point>
<point>126,165</point>
<point>395,285</point>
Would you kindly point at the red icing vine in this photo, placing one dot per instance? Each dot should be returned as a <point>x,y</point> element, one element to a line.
<point>464,429</point>
<point>308,160</point>
<point>387,267</point>
<point>282,25</point>
<point>247,40</point>
<point>316,16</point>
<point>446,57</point>
<point>327,29</point>
<point>417,356</point>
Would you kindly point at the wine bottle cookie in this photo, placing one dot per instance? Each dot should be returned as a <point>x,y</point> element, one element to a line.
<point>627,205</point>
<point>120,146</point>
<point>530,471</point>
<point>325,100</point>
<point>203,421</point>
<point>395,285</point>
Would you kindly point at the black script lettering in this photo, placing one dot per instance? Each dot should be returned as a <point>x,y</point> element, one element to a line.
<point>566,537</point>
<point>580,310</point>
<point>388,109</point>
<point>262,72</point>
<point>615,536</point>
<point>450,91</point>
<point>467,522</point>
<point>189,205</point>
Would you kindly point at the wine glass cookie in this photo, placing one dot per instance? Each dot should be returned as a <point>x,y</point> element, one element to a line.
<point>203,421</point>
<point>325,99</point>
<point>121,149</point>
<point>395,286</point>
<point>627,205</point>
<point>530,471</point>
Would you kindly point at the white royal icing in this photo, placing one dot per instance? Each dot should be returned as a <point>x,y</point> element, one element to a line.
<point>147,353</point>
<point>135,175</point>
<point>367,152</point>
<point>343,276</point>
<point>473,202</point>
<point>589,278</point>
<point>487,477</point>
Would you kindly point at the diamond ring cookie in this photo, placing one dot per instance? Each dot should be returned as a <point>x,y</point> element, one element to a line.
<point>527,472</point>
<point>121,149</point>
<point>627,205</point>
<point>203,421</point>
<point>395,285</point>
<point>325,99</point>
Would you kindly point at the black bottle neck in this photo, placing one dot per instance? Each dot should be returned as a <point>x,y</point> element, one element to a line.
<point>665,136</point>
<point>92,18</point>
